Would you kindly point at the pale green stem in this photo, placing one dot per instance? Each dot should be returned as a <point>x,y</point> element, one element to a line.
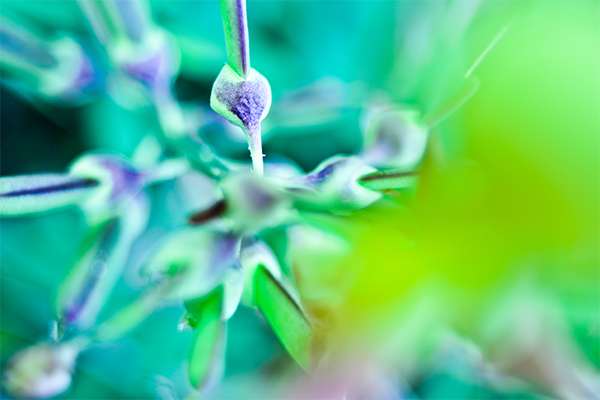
<point>256,153</point>
<point>90,10</point>
<point>129,317</point>
<point>469,88</point>
<point>132,18</point>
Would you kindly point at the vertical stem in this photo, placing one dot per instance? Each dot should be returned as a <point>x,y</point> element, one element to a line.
<point>92,14</point>
<point>133,18</point>
<point>236,35</point>
<point>256,153</point>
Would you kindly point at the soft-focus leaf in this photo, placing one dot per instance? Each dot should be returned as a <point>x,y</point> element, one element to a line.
<point>206,355</point>
<point>390,179</point>
<point>285,316</point>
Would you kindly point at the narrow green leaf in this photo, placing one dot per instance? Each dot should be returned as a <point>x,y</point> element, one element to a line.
<point>132,16</point>
<point>392,179</point>
<point>255,253</point>
<point>24,47</point>
<point>236,35</point>
<point>284,316</point>
<point>207,353</point>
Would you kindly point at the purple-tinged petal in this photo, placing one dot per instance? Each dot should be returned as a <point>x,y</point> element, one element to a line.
<point>125,179</point>
<point>151,71</point>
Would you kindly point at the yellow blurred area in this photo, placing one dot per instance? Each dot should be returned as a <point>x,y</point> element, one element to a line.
<point>521,202</point>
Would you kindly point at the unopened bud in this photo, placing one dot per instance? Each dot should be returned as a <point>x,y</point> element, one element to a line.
<point>245,102</point>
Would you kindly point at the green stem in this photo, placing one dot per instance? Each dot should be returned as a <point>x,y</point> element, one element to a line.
<point>255,142</point>
<point>467,91</point>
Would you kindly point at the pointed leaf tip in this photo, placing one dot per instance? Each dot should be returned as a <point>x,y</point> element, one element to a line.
<point>285,317</point>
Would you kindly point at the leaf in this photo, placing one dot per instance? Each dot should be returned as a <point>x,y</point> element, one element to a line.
<point>78,295</point>
<point>207,353</point>
<point>284,316</point>
<point>256,253</point>
<point>24,47</point>
<point>236,35</point>
<point>28,194</point>
<point>233,286</point>
<point>391,179</point>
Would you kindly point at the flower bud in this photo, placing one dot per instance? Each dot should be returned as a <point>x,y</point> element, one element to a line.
<point>244,102</point>
<point>42,370</point>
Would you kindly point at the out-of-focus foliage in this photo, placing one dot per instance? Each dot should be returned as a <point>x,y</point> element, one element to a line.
<point>469,272</point>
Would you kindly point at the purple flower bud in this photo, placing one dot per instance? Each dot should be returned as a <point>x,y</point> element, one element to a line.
<point>195,261</point>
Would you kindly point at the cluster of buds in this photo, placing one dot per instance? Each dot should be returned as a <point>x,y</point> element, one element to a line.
<point>218,259</point>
